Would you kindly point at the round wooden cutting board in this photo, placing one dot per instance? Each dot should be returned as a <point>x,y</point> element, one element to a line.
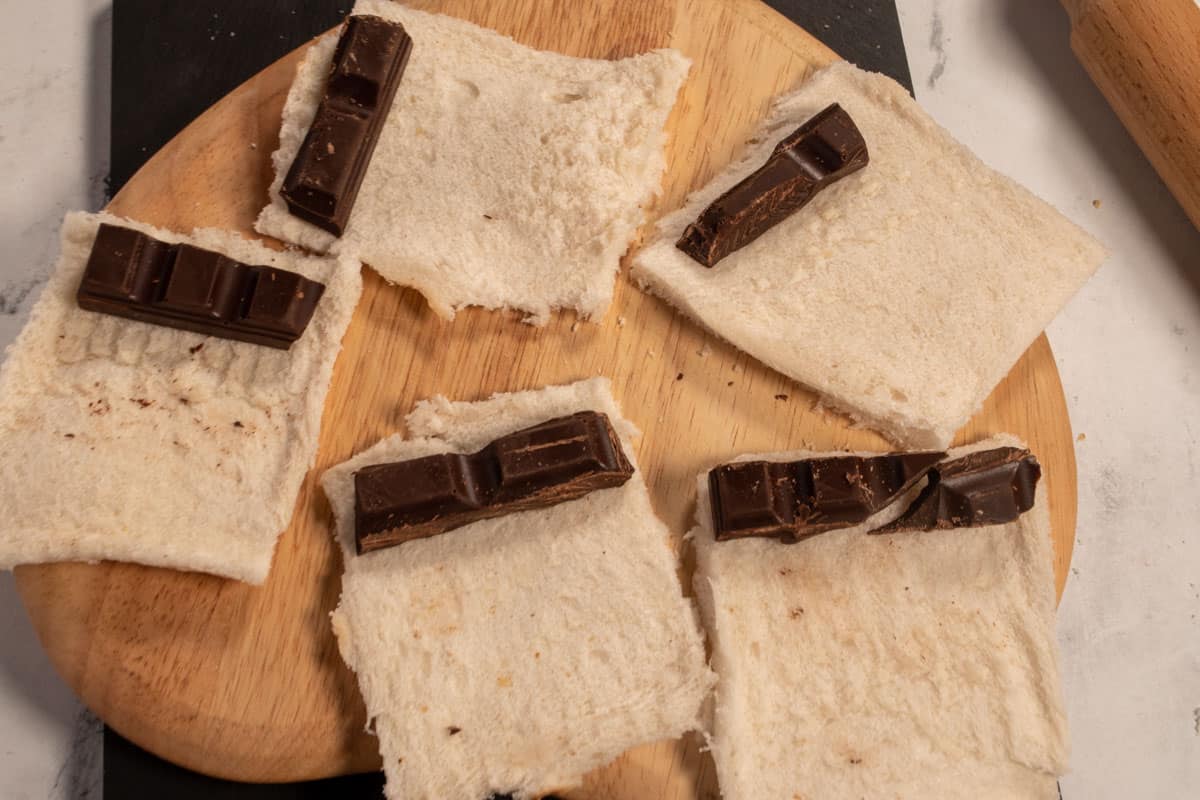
<point>246,682</point>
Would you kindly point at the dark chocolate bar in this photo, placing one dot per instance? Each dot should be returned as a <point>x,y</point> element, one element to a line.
<point>793,500</point>
<point>988,487</point>
<point>132,275</point>
<point>324,180</point>
<point>823,150</point>
<point>556,461</point>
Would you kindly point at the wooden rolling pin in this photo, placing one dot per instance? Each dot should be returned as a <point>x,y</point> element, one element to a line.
<point>1144,55</point>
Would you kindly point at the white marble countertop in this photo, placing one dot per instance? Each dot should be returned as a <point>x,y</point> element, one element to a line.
<point>1000,76</point>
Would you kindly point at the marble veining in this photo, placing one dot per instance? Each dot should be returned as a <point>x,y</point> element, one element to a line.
<point>14,294</point>
<point>937,45</point>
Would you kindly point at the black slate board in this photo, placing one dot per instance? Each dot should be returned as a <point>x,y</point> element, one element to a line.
<point>130,772</point>
<point>171,61</point>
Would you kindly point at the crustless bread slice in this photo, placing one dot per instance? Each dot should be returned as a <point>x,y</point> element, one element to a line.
<point>512,655</point>
<point>134,442</point>
<point>903,293</point>
<point>910,665</point>
<point>504,176</point>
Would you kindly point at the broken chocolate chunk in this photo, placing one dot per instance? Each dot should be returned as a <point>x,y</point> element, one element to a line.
<point>132,275</point>
<point>987,487</point>
<point>792,500</point>
<point>328,170</point>
<point>559,460</point>
<point>823,150</point>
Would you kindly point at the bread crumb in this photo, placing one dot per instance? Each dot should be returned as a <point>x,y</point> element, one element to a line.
<point>253,146</point>
<point>1081,437</point>
<point>574,326</point>
<point>705,351</point>
<point>620,322</point>
<point>329,148</point>
<point>1096,203</point>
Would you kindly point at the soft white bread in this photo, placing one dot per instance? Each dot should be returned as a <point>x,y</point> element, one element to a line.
<point>504,177</point>
<point>129,441</point>
<point>515,654</point>
<point>912,665</point>
<point>903,293</point>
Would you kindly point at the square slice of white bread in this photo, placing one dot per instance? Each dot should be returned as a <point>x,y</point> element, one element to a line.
<point>911,665</point>
<point>128,441</point>
<point>515,654</point>
<point>504,177</point>
<point>904,292</point>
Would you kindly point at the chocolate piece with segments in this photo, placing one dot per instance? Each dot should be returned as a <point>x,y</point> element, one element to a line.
<point>987,487</point>
<point>823,150</point>
<point>130,274</point>
<point>323,181</point>
<point>558,460</point>
<point>792,500</point>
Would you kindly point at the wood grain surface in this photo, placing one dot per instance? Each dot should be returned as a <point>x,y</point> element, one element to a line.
<point>245,682</point>
<point>1144,55</point>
